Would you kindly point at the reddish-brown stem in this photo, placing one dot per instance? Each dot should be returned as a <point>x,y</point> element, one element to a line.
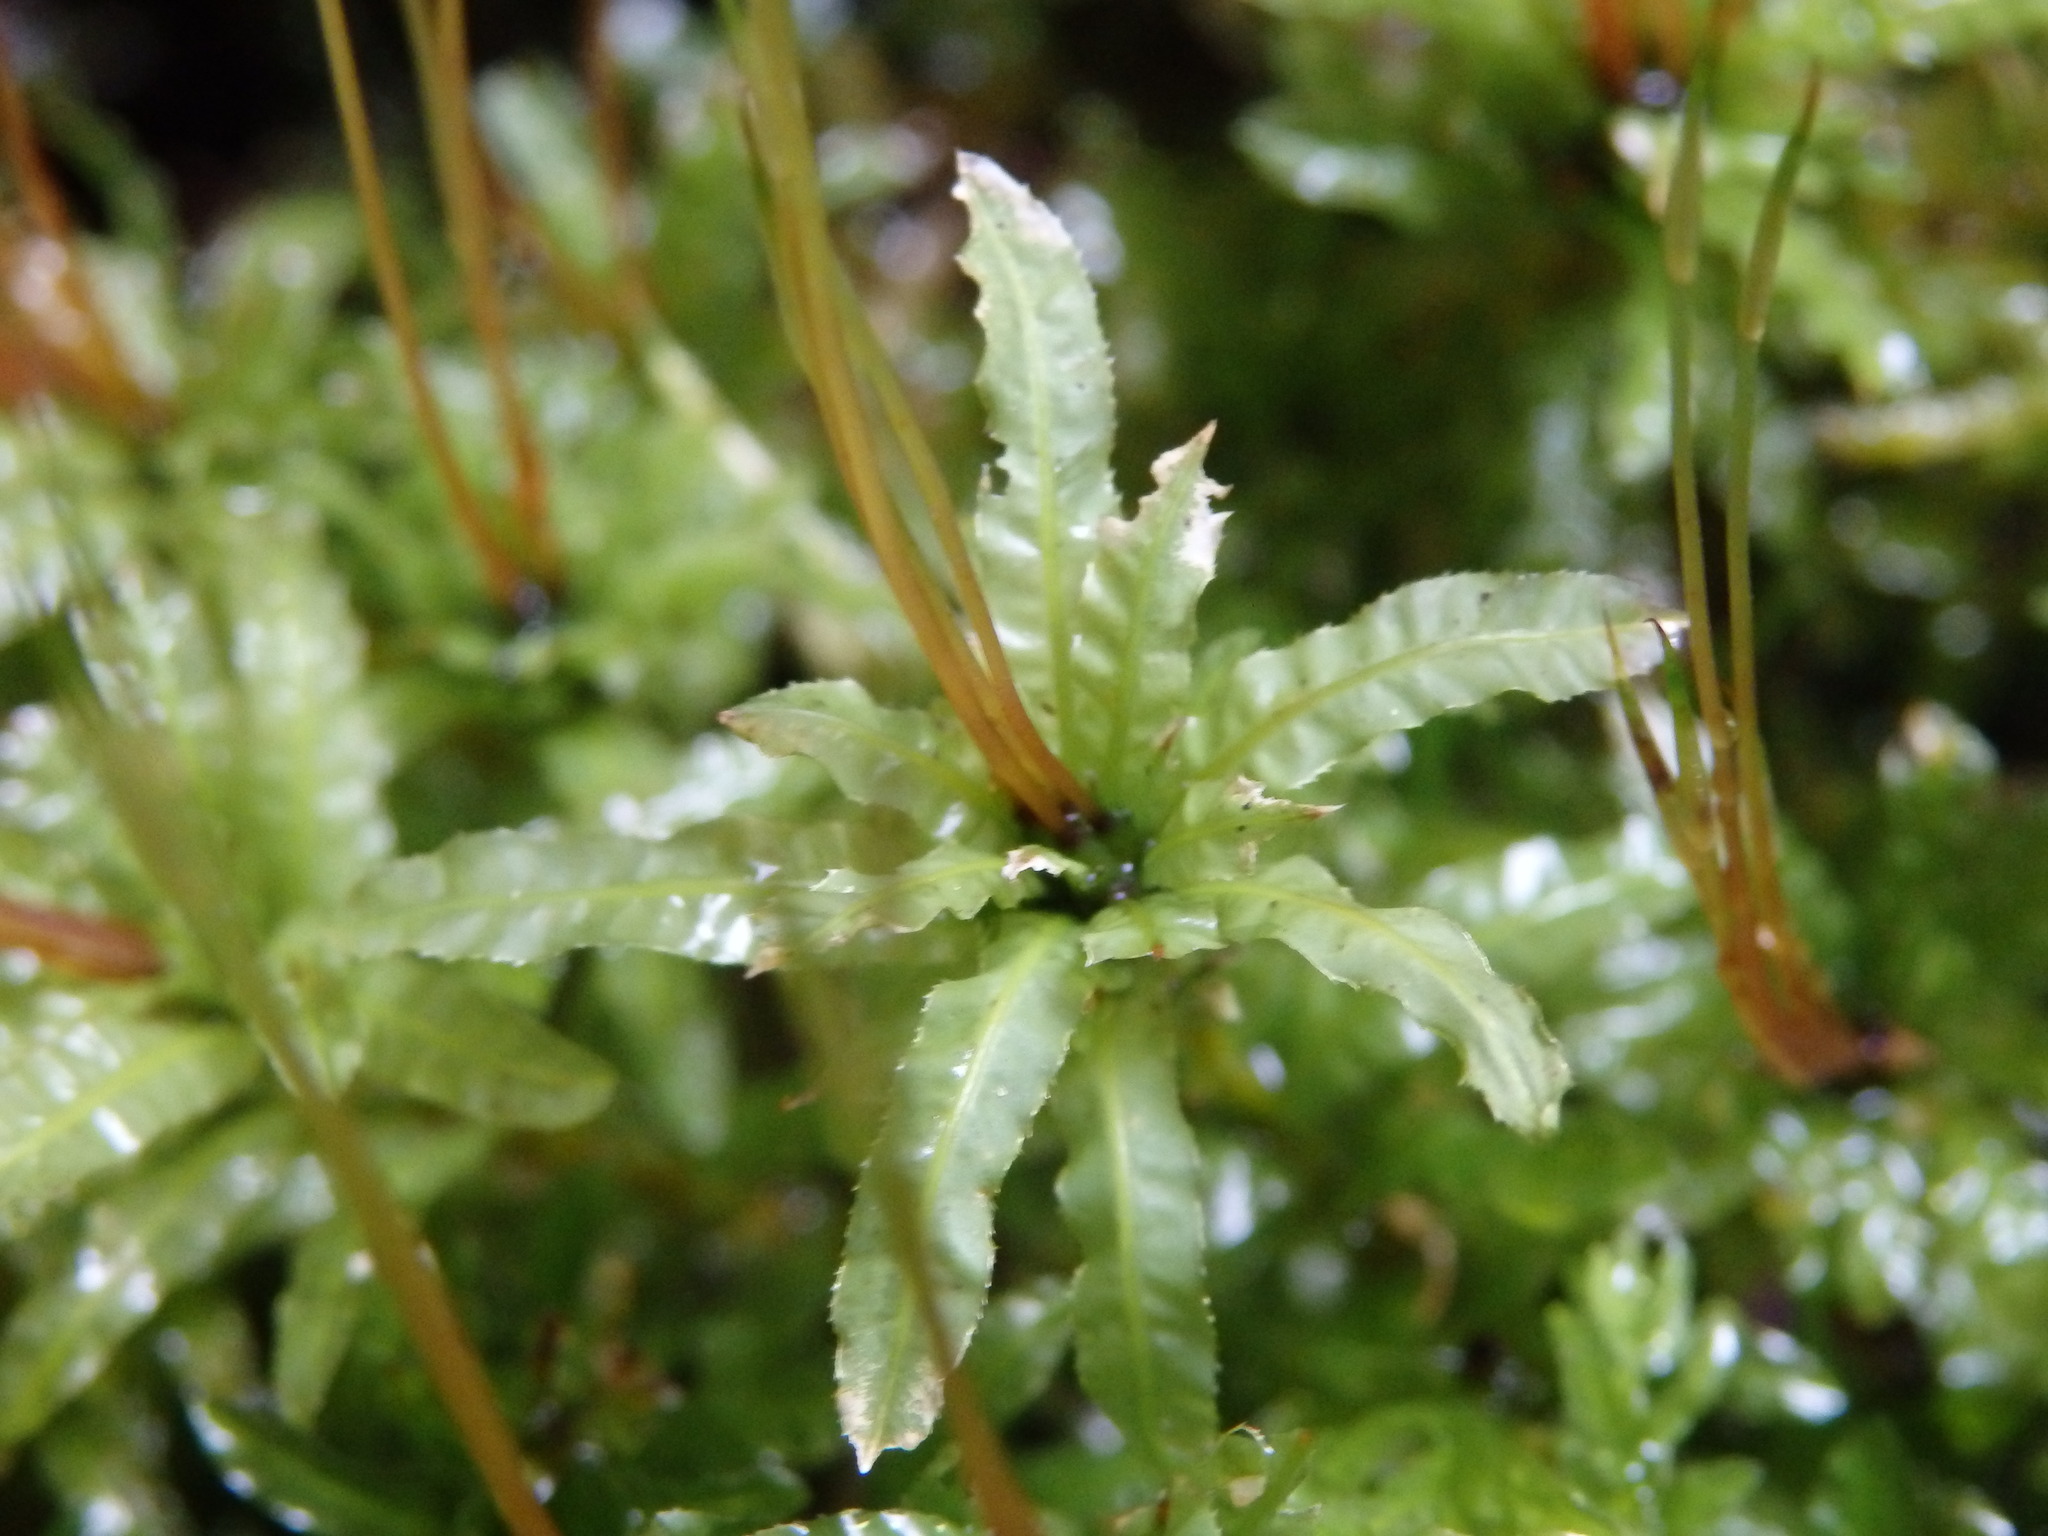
<point>441,46</point>
<point>1610,45</point>
<point>65,319</point>
<point>502,574</point>
<point>810,284</point>
<point>79,944</point>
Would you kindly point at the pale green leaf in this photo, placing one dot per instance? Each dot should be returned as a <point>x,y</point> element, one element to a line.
<point>311,761</point>
<point>1290,714</point>
<point>1023,1337</point>
<point>60,845</point>
<point>442,1036</point>
<point>1137,623</point>
<point>1217,829</point>
<point>901,758</point>
<point>1394,180</point>
<point>265,291</point>
<point>538,131</point>
<point>1144,1342</point>
<point>1163,925</point>
<point>132,290</point>
<point>316,1314</point>
<point>982,1062</point>
<point>36,568</point>
<point>871,1522</point>
<point>521,896</point>
<point>1045,376</point>
<point>247,1182</point>
<point>85,1085</point>
<point>1424,961</point>
<point>305,1485</point>
<point>674,1042</point>
<point>948,881</point>
<point>331,1272</point>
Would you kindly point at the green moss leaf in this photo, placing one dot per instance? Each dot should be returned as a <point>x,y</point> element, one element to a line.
<point>1161,926</point>
<point>311,758</point>
<point>949,881</point>
<point>531,894</point>
<point>1045,376</point>
<point>1137,624</point>
<point>441,1036</point>
<point>902,758</point>
<point>1290,714</point>
<point>247,1182</point>
<point>982,1062</point>
<point>1216,831</point>
<point>1637,1363</point>
<point>535,124</point>
<point>304,1485</point>
<point>871,1522</point>
<point>329,1279</point>
<point>86,1084</point>
<point>1424,961</point>
<point>1144,1342</point>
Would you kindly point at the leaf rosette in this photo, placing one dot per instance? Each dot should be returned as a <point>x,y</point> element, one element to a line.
<point>1074,939</point>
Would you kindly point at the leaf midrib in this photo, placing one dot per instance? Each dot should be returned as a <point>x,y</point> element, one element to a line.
<point>1352,912</point>
<point>1023,966</point>
<point>78,1111</point>
<point>917,759</point>
<point>1229,758</point>
<point>1036,371</point>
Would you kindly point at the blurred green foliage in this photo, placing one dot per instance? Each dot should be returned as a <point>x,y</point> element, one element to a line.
<point>1405,253</point>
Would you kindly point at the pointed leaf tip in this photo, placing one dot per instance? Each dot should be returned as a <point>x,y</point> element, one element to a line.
<point>1136,629</point>
<point>1045,376</point>
<point>982,1062</point>
<point>1286,716</point>
<point>1424,961</point>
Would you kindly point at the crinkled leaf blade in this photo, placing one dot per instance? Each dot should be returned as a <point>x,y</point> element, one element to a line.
<point>312,758</point>
<point>534,124</point>
<point>877,756</point>
<point>85,1085</point>
<point>1144,1342</point>
<point>305,1485</point>
<point>1290,714</point>
<point>1216,831</point>
<point>527,895</point>
<point>1137,622</point>
<point>329,1279</point>
<point>871,1522</point>
<point>247,1182</point>
<point>1424,961</point>
<point>948,881</point>
<point>1045,377</point>
<point>982,1061</point>
<point>1162,925</point>
<point>444,1038</point>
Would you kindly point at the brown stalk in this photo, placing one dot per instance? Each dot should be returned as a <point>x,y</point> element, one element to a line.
<point>1716,803</point>
<point>69,343</point>
<point>78,943</point>
<point>437,31</point>
<point>991,1481</point>
<point>502,574</point>
<point>821,323</point>
<point>1611,45</point>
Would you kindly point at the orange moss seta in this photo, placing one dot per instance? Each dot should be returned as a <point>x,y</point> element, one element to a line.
<point>79,944</point>
<point>53,336</point>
